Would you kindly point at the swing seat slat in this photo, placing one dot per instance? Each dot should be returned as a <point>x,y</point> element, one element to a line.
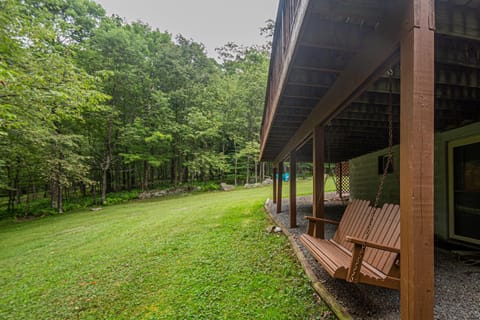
<point>380,263</point>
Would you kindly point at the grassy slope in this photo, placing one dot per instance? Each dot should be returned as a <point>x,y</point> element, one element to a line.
<point>200,256</point>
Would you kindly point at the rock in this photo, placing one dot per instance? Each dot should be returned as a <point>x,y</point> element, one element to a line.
<point>267,181</point>
<point>252,185</point>
<point>226,187</point>
<point>152,194</point>
<point>274,229</point>
<point>96,209</point>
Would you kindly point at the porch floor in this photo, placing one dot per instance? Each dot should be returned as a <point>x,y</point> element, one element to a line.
<point>457,283</point>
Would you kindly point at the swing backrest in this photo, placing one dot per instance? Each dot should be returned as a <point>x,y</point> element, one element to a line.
<point>385,229</point>
<point>353,222</point>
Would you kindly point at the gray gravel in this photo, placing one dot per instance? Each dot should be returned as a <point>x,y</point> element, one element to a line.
<point>457,283</point>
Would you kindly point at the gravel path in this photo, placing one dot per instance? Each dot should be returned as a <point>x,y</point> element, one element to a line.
<point>457,283</point>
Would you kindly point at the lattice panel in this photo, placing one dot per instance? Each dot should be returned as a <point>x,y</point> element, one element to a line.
<point>342,178</point>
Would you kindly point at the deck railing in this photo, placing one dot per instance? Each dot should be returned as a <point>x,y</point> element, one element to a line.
<point>287,17</point>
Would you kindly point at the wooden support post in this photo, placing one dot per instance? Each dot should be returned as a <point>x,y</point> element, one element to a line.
<point>319,179</point>
<point>274,179</point>
<point>293,189</point>
<point>279,187</point>
<point>416,162</point>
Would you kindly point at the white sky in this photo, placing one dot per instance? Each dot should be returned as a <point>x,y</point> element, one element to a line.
<point>211,22</point>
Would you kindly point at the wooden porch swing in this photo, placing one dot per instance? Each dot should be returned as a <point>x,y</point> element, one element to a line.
<point>366,245</point>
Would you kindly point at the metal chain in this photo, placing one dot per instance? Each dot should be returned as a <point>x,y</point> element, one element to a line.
<point>356,267</point>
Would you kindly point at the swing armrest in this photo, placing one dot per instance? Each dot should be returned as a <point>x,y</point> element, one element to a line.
<point>314,223</point>
<point>370,244</point>
<point>315,219</point>
<point>357,256</point>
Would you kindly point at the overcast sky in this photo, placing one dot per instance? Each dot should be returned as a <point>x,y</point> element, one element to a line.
<point>211,22</point>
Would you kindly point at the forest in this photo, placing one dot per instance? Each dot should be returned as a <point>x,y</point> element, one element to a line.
<point>92,105</point>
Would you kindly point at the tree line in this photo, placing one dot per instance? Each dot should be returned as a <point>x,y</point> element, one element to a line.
<point>91,104</point>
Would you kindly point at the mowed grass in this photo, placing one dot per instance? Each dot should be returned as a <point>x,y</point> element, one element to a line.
<point>203,256</point>
<point>305,187</point>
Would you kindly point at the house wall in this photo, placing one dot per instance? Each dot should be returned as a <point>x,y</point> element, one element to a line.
<point>364,177</point>
<point>441,173</point>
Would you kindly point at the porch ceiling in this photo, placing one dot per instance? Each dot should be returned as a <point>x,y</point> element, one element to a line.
<point>330,37</point>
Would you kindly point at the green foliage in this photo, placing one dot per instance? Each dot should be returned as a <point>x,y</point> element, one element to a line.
<point>120,197</point>
<point>88,100</point>
<point>207,186</point>
<point>42,207</point>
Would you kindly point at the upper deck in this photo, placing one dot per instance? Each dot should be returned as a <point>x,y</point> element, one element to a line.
<point>325,71</point>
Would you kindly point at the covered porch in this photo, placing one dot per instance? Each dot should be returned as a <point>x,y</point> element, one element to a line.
<point>351,77</point>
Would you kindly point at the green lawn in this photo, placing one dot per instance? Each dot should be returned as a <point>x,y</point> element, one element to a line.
<point>203,256</point>
<point>305,187</point>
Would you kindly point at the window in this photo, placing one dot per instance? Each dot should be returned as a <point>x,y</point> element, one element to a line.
<point>382,162</point>
<point>464,189</point>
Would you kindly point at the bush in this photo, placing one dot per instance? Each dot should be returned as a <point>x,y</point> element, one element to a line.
<point>119,197</point>
<point>209,186</point>
<point>42,207</point>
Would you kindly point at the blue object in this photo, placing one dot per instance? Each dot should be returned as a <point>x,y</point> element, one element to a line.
<point>285,177</point>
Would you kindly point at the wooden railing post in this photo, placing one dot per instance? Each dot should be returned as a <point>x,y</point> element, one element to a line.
<point>318,179</point>
<point>279,187</point>
<point>274,179</point>
<point>293,189</point>
<point>416,162</point>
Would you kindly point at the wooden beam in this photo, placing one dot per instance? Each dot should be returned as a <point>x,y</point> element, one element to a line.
<point>326,46</point>
<point>416,162</point>
<point>318,69</point>
<point>291,47</point>
<point>358,10</point>
<point>293,189</point>
<point>379,49</point>
<point>279,187</point>
<point>274,179</point>
<point>318,179</point>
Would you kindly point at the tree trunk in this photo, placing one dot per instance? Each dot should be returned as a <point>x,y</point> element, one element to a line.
<point>152,177</point>
<point>34,190</point>
<point>247,179</point>
<point>27,202</point>
<point>60,198</point>
<point>104,187</point>
<point>116,179</point>
<point>83,190</point>
<point>124,175</point>
<point>172,170</point>
<point>59,186</point>
<point>235,171</point>
<point>54,194</point>
<point>145,176</point>
<point>107,163</point>
<point>236,162</point>
<point>16,185</point>
<point>129,177</point>
<point>263,171</point>
<point>94,191</point>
